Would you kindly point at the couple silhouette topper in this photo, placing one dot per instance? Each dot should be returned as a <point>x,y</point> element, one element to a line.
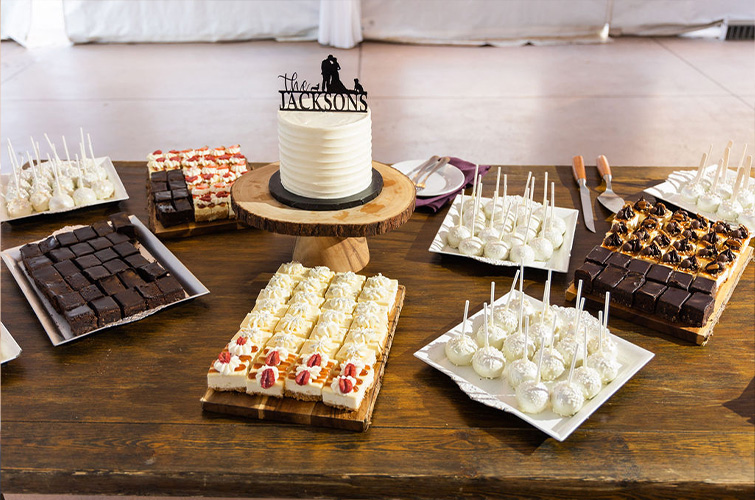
<point>331,82</point>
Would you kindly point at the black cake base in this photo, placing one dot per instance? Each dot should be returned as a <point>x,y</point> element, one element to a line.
<point>292,200</point>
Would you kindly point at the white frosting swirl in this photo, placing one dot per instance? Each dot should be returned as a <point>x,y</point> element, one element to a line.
<point>227,368</point>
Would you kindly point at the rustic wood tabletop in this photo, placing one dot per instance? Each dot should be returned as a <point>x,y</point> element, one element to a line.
<point>118,412</point>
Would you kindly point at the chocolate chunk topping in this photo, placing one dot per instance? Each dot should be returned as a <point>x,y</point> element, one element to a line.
<point>613,240</point>
<point>722,227</point>
<point>715,268</point>
<point>711,237</point>
<point>651,250</point>
<point>619,227</point>
<point>734,244</point>
<point>707,252</point>
<point>673,228</point>
<point>662,240</point>
<point>672,257</point>
<point>690,264</point>
<point>683,246</point>
<point>651,224</point>
<point>626,213</point>
<point>740,233</point>
<point>632,246</point>
<point>642,205</point>
<point>659,210</point>
<point>726,256</point>
<point>642,235</point>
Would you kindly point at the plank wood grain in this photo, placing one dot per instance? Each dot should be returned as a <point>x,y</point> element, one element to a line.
<point>117,413</point>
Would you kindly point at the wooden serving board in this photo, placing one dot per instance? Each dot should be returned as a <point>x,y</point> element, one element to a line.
<point>313,413</point>
<point>698,335</point>
<point>190,228</point>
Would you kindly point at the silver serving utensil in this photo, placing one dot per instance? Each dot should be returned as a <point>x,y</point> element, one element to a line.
<point>422,168</point>
<point>419,186</point>
<point>578,169</point>
<point>608,199</point>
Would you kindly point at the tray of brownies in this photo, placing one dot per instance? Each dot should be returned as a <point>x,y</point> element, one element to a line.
<point>672,271</point>
<point>83,279</point>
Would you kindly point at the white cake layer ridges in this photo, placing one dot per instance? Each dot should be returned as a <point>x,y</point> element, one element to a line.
<point>325,155</point>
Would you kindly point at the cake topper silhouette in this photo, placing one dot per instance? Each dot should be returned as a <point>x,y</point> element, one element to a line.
<point>329,95</point>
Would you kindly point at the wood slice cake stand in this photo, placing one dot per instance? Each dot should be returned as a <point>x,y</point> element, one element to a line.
<point>335,238</point>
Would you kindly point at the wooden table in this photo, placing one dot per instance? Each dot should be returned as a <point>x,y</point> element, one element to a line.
<point>119,412</point>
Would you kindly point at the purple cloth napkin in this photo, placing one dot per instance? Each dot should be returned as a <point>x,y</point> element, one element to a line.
<point>467,168</point>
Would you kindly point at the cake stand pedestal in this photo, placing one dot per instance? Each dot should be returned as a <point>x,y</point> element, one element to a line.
<point>333,238</point>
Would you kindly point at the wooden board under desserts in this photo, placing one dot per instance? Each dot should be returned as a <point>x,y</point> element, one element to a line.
<point>698,335</point>
<point>293,411</point>
<point>187,229</point>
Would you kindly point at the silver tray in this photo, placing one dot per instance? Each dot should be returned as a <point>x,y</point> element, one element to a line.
<point>54,324</point>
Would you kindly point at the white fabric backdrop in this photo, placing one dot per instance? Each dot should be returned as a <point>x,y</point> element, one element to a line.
<point>671,17</point>
<point>340,23</point>
<point>190,20</point>
<point>15,19</point>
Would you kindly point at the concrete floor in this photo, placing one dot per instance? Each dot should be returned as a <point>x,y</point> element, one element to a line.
<point>640,101</point>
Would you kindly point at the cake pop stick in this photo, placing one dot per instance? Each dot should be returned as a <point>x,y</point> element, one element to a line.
<point>727,155</point>
<point>65,147</point>
<point>13,164</point>
<point>498,180</point>
<point>91,150</point>
<point>460,349</point>
<point>52,147</point>
<point>545,191</point>
<point>605,307</point>
<point>701,168</point>
<point>521,296</point>
<point>505,218</point>
<point>511,292</point>
<point>742,159</point>
<point>485,322</point>
<point>747,168</point>
<point>527,184</point>
<point>505,188</point>
<point>492,299</point>
<point>461,209</point>
<point>579,291</point>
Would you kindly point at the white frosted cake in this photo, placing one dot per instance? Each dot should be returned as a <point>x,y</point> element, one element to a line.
<point>325,155</point>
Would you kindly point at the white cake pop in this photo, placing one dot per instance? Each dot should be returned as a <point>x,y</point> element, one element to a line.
<point>604,363</point>
<point>710,201</point>
<point>498,249</point>
<point>730,209</point>
<point>587,378</point>
<point>60,200</point>
<point>472,246</point>
<point>504,317</point>
<point>693,190</point>
<point>40,196</point>
<point>532,395</point>
<point>541,210</point>
<point>521,369</point>
<point>513,346</point>
<point>747,217</point>
<point>602,340</point>
<point>83,195</point>
<point>470,203</point>
<point>746,197</point>
<point>458,232</point>
<point>541,245</point>
<point>460,348</point>
<point>488,362</point>
<point>553,363</point>
<point>489,331</point>
<point>19,207</point>
<point>566,397</point>
<point>523,254</point>
<point>570,345</point>
<point>550,232</point>
<point>496,204</point>
<point>490,232</point>
<point>103,189</point>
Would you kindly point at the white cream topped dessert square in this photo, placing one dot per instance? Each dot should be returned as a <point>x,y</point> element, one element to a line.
<point>312,298</point>
<point>312,286</point>
<point>228,373</point>
<point>343,291</point>
<point>294,269</point>
<point>272,306</point>
<point>348,388</point>
<point>341,304</point>
<point>321,274</point>
<point>294,324</point>
<point>303,310</point>
<point>260,319</point>
<point>268,372</point>
<point>328,329</point>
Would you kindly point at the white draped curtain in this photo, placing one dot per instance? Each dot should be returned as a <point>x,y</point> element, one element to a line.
<point>343,23</point>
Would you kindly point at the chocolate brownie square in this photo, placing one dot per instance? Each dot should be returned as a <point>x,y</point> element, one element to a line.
<point>639,266</point>
<point>158,187</point>
<point>130,278</point>
<point>608,279</point>
<point>68,301</point>
<point>122,224</point>
<point>171,288</point>
<point>697,309</point>
<point>85,233</point>
<point>152,271</point>
<point>184,210</point>
<point>670,303</point>
<point>163,196</point>
<point>115,266</point>
<point>647,295</point>
<point>87,261</point>
<point>136,260</point>
<point>659,274</point>
<point>130,301</point>
<point>106,255</point>
<point>166,213</point>
<point>107,310</point>
<point>180,193</point>
<point>175,175</point>
<point>681,280</point>
<point>81,249</point>
<point>77,281</point>
<point>704,285</point>
<point>152,295</point>
<point>49,243</point>
<point>96,273</point>
<point>619,260</point>
<point>61,254</point>
<point>624,292</point>
<point>81,319</point>
<point>67,239</point>
<point>587,273</point>
<point>102,228</point>
<point>100,243</point>
<point>37,262</point>
<point>30,250</point>
<point>116,238</point>
<point>53,288</point>
<point>91,292</point>
<point>176,184</point>
<point>66,268</point>
<point>45,274</point>
<point>161,176</point>
<point>599,255</point>
<point>111,285</point>
<point>125,249</point>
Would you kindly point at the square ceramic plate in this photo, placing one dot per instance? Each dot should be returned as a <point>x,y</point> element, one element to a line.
<point>559,262</point>
<point>54,324</point>
<point>9,348</point>
<point>120,193</point>
<point>669,190</point>
<point>497,392</point>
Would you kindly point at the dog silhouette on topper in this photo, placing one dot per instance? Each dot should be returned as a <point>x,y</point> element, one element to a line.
<point>328,95</point>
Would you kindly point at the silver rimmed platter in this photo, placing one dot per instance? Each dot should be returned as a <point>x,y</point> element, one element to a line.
<point>58,329</point>
<point>497,393</point>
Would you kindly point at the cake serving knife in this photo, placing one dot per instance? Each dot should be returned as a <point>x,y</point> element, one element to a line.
<point>609,199</point>
<point>578,169</point>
